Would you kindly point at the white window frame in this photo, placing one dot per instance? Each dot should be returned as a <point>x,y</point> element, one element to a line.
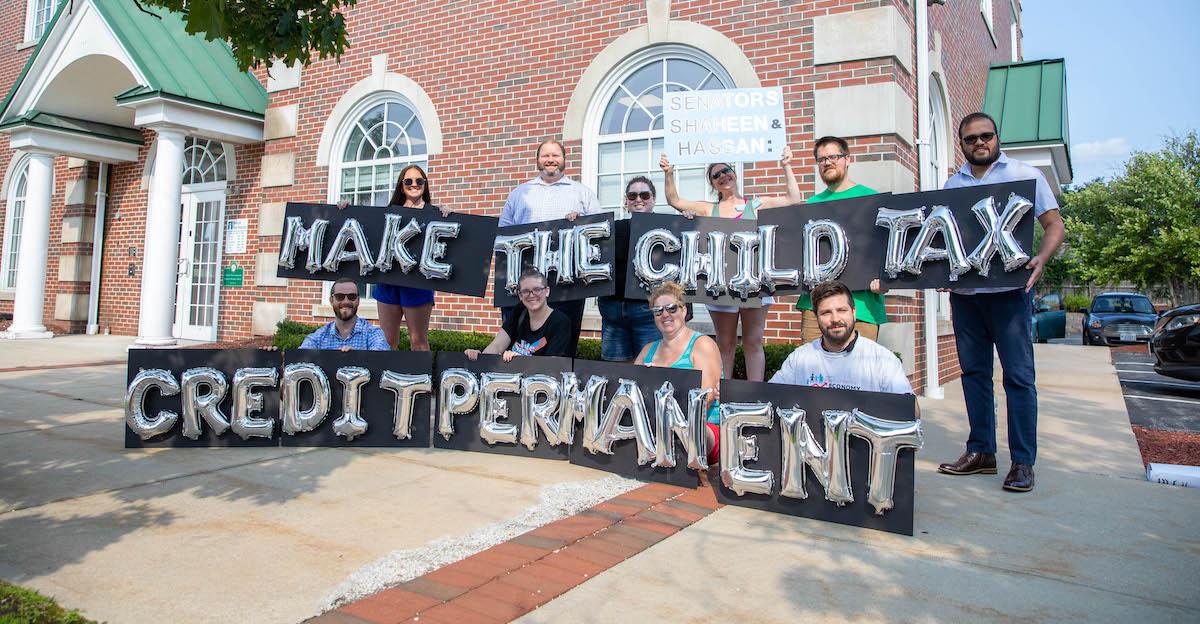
<point>940,159</point>
<point>595,114</point>
<point>367,306</point>
<point>33,29</point>
<point>985,9</point>
<point>11,248</point>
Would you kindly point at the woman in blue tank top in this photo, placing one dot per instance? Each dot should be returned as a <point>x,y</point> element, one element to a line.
<point>681,347</point>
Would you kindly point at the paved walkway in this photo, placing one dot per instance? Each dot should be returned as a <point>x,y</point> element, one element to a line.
<point>263,535</point>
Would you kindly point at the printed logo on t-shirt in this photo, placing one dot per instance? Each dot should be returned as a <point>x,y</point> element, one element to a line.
<point>529,348</point>
<point>817,380</point>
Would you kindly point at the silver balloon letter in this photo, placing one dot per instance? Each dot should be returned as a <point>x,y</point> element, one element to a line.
<point>434,249</point>
<point>206,406</point>
<point>246,401</point>
<point>406,387</point>
<point>294,420</point>
<point>771,276</point>
<point>351,424</point>
<point>831,465</point>
<point>458,393</point>
<point>710,264</point>
<point>493,410</point>
<point>539,409</point>
<point>643,251</point>
<point>998,234</point>
<point>736,449</point>
<point>689,428</point>
<point>940,221</point>
<point>135,399</point>
<point>296,237</point>
<point>587,252</point>
<point>351,232</point>
<point>898,223</point>
<point>816,271</point>
<point>513,247</point>
<point>746,280</point>
<point>886,437</point>
<point>394,245</point>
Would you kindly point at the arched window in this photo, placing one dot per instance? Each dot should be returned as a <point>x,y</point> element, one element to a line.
<point>12,229</point>
<point>626,128</point>
<point>203,161</point>
<point>939,163</point>
<point>384,137</point>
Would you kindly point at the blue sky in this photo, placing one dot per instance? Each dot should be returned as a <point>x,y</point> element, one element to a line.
<point>1133,73</point>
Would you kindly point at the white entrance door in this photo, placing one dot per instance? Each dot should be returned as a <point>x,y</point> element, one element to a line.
<point>198,290</point>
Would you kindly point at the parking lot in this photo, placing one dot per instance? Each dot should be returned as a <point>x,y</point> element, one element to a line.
<point>1155,401</point>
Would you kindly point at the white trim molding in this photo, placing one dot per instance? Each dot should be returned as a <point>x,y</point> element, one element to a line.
<point>87,147</point>
<point>348,106</point>
<point>880,32</point>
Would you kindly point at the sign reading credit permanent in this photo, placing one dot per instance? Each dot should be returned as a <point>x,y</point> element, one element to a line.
<point>724,125</point>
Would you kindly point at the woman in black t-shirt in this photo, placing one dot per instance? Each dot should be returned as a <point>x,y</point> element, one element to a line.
<point>537,330</point>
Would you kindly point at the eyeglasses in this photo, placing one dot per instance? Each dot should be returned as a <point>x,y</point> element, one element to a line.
<point>670,308</point>
<point>352,297</point>
<point>984,137</point>
<point>417,182</point>
<point>720,172</point>
<point>643,195</point>
<point>830,158</point>
<point>531,292</point>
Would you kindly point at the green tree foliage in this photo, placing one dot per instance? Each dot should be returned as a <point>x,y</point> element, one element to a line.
<point>1144,225</point>
<point>259,32</point>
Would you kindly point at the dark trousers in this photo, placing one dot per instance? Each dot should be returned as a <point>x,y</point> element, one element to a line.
<point>1000,320</point>
<point>573,310</point>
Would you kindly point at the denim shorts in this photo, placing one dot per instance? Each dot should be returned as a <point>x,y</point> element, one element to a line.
<point>628,326</point>
<point>402,295</point>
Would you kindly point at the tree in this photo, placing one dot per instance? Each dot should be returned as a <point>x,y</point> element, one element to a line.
<point>1144,225</point>
<point>260,31</point>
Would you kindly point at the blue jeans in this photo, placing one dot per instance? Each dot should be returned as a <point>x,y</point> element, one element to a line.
<point>627,326</point>
<point>1003,320</point>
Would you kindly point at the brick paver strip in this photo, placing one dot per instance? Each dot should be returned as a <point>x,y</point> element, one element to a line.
<point>511,579</point>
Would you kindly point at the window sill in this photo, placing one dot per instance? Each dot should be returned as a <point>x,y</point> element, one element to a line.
<point>25,45</point>
<point>8,295</point>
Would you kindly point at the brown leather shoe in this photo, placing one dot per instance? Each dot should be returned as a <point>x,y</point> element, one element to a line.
<point>1019,479</point>
<point>971,463</point>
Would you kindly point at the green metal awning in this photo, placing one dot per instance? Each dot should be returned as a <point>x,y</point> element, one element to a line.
<point>46,121</point>
<point>174,63</point>
<point>1028,100</point>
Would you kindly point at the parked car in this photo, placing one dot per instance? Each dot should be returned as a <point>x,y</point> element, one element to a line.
<point>1049,318</point>
<point>1118,317</point>
<point>1176,343</point>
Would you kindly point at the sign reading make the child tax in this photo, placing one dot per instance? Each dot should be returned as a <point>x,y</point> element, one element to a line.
<point>724,125</point>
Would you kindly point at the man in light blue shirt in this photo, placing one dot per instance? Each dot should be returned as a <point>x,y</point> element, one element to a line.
<point>346,332</point>
<point>549,197</point>
<point>984,318</point>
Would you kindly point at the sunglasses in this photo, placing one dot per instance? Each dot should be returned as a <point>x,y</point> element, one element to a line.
<point>345,297</point>
<point>720,172</point>
<point>531,292</point>
<point>417,182</point>
<point>832,158</point>
<point>643,195</point>
<point>670,308</point>
<point>984,137</point>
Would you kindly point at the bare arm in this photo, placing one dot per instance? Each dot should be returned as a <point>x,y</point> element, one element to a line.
<point>707,357</point>
<point>793,196</point>
<point>687,206</point>
<point>495,347</point>
<point>1052,224</point>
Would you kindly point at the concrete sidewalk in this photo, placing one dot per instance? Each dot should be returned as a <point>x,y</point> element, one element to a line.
<point>1093,542</point>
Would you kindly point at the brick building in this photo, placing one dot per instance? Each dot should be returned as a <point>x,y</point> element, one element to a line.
<point>121,127</point>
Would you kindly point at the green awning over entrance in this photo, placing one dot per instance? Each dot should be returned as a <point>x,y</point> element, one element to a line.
<point>1029,102</point>
<point>173,63</point>
<point>71,125</point>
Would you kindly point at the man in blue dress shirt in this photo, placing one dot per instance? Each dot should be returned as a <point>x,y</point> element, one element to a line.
<point>999,317</point>
<point>346,332</point>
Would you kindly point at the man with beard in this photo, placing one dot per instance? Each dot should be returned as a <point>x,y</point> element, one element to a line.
<point>346,332</point>
<point>842,358</point>
<point>999,317</point>
<point>548,197</point>
<point>833,163</point>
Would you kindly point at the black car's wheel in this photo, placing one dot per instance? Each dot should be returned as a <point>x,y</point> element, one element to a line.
<point>1087,338</point>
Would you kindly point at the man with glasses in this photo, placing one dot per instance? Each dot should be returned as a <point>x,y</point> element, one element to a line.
<point>999,317</point>
<point>537,329</point>
<point>548,197</point>
<point>346,332</point>
<point>833,163</point>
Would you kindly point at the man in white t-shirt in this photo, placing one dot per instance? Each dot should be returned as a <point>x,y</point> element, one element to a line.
<point>842,358</point>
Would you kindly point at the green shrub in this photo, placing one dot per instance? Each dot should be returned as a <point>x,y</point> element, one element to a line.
<point>289,334</point>
<point>20,605</point>
<point>775,352</point>
<point>1076,303</point>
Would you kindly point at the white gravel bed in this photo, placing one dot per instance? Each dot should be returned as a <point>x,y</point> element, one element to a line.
<point>555,502</point>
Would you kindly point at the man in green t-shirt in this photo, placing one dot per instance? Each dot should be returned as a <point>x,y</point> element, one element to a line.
<point>833,160</point>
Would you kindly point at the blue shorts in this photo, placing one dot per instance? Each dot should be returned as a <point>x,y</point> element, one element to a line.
<point>402,295</point>
<point>627,326</point>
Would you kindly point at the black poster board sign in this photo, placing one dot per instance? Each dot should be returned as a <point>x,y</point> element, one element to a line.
<point>468,253</point>
<point>623,461</point>
<point>641,223</point>
<point>936,273</point>
<point>376,404</point>
<point>576,290</point>
<point>899,407</point>
<point>865,243</point>
<point>466,426</point>
<point>227,362</point>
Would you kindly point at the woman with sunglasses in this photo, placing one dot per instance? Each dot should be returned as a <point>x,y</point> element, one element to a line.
<point>537,330</point>
<point>397,304</point>
<point>681,347</point>
<point>731,204</point>
<point>627,324</point>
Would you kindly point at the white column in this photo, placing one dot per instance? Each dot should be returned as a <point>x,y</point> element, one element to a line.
<point>31,257</point>
<point>160,255</point>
